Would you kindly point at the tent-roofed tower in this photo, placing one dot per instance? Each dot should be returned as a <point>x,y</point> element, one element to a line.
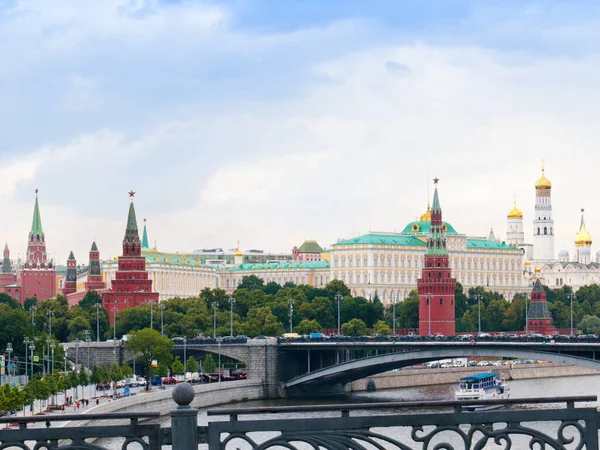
<point>6,264</point>
<point>37,275</point>
<point>436,286</point>
<point>539,319</point>
<point>70,285</point>
<point>131,286</point>
<point>94,281</point>
<point>145,245</point>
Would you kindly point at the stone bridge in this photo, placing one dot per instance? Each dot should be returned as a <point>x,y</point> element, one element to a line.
<point>97,353</point>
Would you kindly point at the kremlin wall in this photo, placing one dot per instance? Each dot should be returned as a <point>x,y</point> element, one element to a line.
<point>429,255</point>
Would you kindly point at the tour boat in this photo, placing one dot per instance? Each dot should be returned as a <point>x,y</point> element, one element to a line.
<point>482,386</point>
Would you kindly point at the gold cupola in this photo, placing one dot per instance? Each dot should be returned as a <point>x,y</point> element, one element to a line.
<point>543,183</point>
<point>238,252</point>
<point>583,238</point>
<point>515,213</point>
<point>426,217</point>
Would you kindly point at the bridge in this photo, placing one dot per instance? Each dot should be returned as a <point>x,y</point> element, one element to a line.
<point>290,367</point>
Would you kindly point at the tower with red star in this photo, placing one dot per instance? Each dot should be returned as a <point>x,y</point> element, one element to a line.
<point>436,286</point>
<point>131,286</point>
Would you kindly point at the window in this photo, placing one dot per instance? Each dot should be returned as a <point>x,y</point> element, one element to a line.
<point>545,230</point>
<point>441,301</point>
<point>538,230</point>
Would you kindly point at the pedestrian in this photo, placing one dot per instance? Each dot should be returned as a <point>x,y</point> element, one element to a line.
<point>78,406</point>
<point>63,408</point>
<point>74,408</point>
<point>97,401</point>
<point>47,424</point>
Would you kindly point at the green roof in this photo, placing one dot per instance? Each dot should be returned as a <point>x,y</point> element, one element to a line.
<point>310,247</point>
<point>383,239</point>
<point>145,237</point>
<point>475,243</point>
<point>94,247</point>
<point>175,259</point>
<point>283,265</point>
<point>423,227</point>
<point>131,232</point>
<point>36,224</point>
<point>71,256</point>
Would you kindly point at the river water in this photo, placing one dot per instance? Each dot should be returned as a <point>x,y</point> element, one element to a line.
<point>546,387</point>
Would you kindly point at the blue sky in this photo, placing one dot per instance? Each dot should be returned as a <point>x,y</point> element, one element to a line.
<point>275,121</point>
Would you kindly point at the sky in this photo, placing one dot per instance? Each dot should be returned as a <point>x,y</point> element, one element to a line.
<point>271,122</point>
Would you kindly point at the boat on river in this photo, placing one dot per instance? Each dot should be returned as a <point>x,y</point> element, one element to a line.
<point>482,386</point>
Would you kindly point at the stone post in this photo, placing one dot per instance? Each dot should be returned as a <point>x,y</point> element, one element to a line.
<point>184,420</point>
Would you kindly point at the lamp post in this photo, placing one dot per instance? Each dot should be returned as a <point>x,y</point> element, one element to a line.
<point>338,298</point>
<point>50,314</point>
<point>49,341</point>
<point>220,374</point>
<point>31,349</point>
<point>26,341</point>
<point>114,323</point>
<point>9,350</point>
<point>152,315</point>
<point>32,309</point>
<point>231,303</point>
<point>162,319</point>
<point>98,306</point>
<point>65,358</point>
<point>571,297</point>
<point>478,297</point>
<point>87,340</point>
<point>214,305</point>
<point>76,343</point>
<point>184,357</point>
<point>394,313</point>
<point>52,347</point>
<point>291,303</point>
<point>429,314</point>
<point>526,295</point>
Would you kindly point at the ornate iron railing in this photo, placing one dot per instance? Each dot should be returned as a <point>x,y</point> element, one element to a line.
<point>358,426</point>
<point>401,426</point>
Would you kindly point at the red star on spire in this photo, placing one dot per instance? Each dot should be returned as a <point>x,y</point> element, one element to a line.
<point>36,191</point>
<point>435,180</point>
<point>131,194</point>
<point>582,210</point>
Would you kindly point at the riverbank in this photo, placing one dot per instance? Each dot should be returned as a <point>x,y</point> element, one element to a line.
<point>421,376</point>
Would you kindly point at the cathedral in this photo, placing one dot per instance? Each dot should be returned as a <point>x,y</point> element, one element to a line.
<point>540,261</point>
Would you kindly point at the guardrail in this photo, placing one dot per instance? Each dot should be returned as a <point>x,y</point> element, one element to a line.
<point>401,425</point>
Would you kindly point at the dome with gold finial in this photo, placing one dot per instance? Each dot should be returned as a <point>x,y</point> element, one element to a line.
<point>543,183</point>
<point>515,213</point>
<point>583,238</point>
<point>537,269</point>
<point>238,252</point>
<point>527,262</point>
<point>426,217</point>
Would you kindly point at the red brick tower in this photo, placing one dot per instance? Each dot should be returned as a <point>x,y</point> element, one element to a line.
<point>8,280</point>
<point>94,281</point>
<point>539,319</point>
<point>70,285</point>
<point>436,286</point>
<point>37,276</point>
<point>131,286</point>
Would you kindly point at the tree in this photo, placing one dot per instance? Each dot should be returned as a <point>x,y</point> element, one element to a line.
<point>589,324</point>
<point>408,316</point>
<point>29,302</point>
<point>208,364</point>
<point>251,283</point>
<point>381,328</point>
<point>355,327</point>
<point>192,365</point>
<point>115,375</point>
<point>84,380</point>
<point>308,326</point>
<point>96,377</point>
<point>337,287</point>
<point>150,345</point>
<point>89,300</point>
<point>8,300</point>
<point>177,366</point>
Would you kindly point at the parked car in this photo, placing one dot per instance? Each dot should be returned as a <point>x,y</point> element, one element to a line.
<point>131,382</point>
<point>141,381</point>
<point>155,380</point>
<point>121,384</point>
<point>169,380</point>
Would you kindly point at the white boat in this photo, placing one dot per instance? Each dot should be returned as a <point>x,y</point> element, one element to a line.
<point>482,386</point>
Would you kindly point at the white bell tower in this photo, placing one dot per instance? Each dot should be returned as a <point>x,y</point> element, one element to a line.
<point>543,225</point>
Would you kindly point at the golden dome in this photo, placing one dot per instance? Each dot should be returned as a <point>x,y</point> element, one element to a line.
<point>527,262</point>
<point>543,182</point>
<point>238,252</point>
<point>537,269</point>
<point>515,213</point>
<point>583,238</point>
<point>426,217</point>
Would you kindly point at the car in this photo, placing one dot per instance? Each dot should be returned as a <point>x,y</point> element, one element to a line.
<point>472,364</point>
<point>168,380</point>
<point>483,363</point>
<point>141,381</point>
<point>497,363</point>
<point>131,382</point>
<point>484,335</point>
<point>155,380</point>
<point>120,384</point>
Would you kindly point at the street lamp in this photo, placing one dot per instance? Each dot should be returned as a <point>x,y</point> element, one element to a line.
<point>87,340</point>
<point>526,295</point>
<point>76,343</point>
<point>114,310</point>
<point>32,309</point>
<point>31,349</point>
<point>291,303</point>
<point>571,297</point>
<point>214,305</point>
<point>48,341</point>
<point>338,298</point>
<point>162,321</point>
<point>478,297</point>
<point>231,303</point>
<point>394,313</point>
<point>52,347</point>
<point>98,306</point>
<point>152,315</point>
<point>184,357</point>
<point>26,341</point>
<point>50,314</point>
<point>9,350</point>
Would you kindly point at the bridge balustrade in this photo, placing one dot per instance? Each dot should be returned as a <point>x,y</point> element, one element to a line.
<point>397,425</point>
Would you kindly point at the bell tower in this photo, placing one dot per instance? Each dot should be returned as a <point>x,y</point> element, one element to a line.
<point>543,224</point>
<point>436,286</point>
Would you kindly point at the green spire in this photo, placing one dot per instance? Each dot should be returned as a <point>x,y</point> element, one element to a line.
<point>436,240</point>
<point>36,225</point>
<point>71,256</point>
<point>145,237</point>
<point>94,247</point>
<point>131,232</point>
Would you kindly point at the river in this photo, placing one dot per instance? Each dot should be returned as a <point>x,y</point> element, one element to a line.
<point>545,387</point>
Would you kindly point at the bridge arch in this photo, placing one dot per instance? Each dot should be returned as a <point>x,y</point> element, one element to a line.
<point>361,368</point>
